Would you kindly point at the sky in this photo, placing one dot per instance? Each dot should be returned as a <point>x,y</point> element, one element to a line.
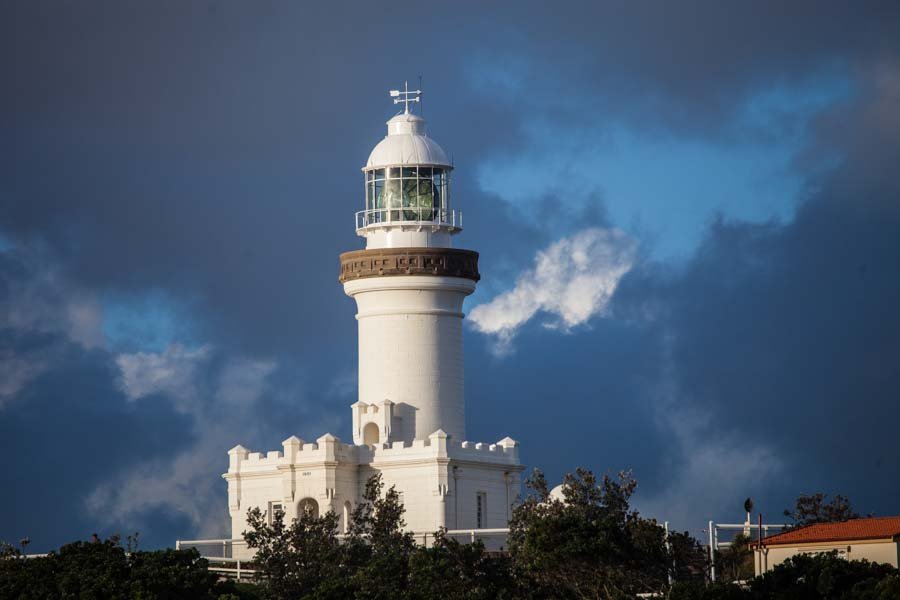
<point>687,214</point>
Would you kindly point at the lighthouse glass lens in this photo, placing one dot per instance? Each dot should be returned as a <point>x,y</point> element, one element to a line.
<point>393,198</point>
<point>410,199</point>
<point>438,189</point>
<point>379,194</point>
<point>426,200</point>
<point>406,194</point>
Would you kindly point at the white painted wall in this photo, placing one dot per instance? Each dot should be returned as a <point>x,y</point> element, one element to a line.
<point>434,493</point>
<point>881,551</point>
<point>404,236</point>
<point>411,350</point>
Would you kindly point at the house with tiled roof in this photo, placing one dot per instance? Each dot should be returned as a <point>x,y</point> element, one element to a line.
<point>876,539</point>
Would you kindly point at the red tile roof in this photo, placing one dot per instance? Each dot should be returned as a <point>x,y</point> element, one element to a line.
<point>854,529</point>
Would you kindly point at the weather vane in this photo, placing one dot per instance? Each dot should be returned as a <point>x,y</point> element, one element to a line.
<point>404,96</point>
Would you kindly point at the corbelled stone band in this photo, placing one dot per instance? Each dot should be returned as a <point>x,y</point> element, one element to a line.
<point>446,262</point>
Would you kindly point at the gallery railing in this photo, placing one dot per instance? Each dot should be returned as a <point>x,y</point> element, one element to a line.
<point>410,215</point>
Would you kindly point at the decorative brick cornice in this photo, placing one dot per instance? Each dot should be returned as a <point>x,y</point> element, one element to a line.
<point>444,262</point>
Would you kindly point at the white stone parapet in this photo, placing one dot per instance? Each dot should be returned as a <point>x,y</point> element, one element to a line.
<point>329,448</point>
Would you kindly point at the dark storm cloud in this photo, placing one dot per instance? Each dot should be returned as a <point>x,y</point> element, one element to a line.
<point>682,65</point>
<point>212,150</point>
<point>789,335</point>
<point>67,431</point>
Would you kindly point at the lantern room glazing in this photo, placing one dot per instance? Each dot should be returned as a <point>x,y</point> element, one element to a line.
<point>415,193</point>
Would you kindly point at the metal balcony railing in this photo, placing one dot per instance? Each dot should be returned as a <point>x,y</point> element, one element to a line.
<point>425,217</point>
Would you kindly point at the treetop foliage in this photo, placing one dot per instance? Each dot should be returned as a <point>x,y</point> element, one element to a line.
<point>104,570</point>
<point>813,508</point>
<point>588,545</point>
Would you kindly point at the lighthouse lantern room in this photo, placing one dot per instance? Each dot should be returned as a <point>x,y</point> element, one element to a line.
<point>407,180</point>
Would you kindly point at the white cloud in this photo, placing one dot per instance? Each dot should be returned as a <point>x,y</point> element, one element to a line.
<point>572,280</point>
<point>719,467</point>
<point>45,302</point>
<point>170,372</point>
<point>243,380</point>
<point>187,482</point>
<point>41,300</point>
<point>15,372</point>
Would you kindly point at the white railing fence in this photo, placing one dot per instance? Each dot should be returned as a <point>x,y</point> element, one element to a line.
<point>754,529</point>
<point>231,557</point>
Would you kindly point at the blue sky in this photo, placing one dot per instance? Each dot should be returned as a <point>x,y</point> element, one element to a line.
<point>178,181</point>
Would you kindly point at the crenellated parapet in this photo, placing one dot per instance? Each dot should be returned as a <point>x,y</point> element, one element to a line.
<point>504,451</point>
<point>328,449</point>
<point>440,446</point>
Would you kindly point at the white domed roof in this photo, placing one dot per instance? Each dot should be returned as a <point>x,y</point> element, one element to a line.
<point>407,144</point>
<point>557,493</point>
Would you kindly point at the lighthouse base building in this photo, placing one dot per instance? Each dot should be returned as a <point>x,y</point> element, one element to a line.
<point>441,482</point>
<point>409,285</point>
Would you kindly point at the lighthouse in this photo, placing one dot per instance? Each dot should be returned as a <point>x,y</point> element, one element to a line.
<point>408,422</point>
<point>409,285</point>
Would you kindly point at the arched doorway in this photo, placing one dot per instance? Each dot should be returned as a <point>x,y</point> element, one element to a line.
<point>308,506</point>
<point>371,434</point>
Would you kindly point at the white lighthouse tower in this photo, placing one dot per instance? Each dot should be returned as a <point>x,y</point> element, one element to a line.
<point>409,284</point>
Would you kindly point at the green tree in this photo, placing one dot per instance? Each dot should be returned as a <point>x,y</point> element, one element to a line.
<point>813,508</point>
<point>171,574</point>
<point>735,563</point>
<point>91,570</point>
<point>453,571</point>
<point>103,570</point>
<point>378,547</point>
<point>689,560</point>
<point>826,577</point>
<point>706,591</point>
<point>300,560</point>
<point>591,545</point>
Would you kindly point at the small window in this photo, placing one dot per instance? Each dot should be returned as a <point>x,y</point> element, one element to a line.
<point>481,511</point>
<point>409,172</point>
<point>275,508</point>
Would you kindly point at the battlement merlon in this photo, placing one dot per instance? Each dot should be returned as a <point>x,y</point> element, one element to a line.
<point>329,449</point>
